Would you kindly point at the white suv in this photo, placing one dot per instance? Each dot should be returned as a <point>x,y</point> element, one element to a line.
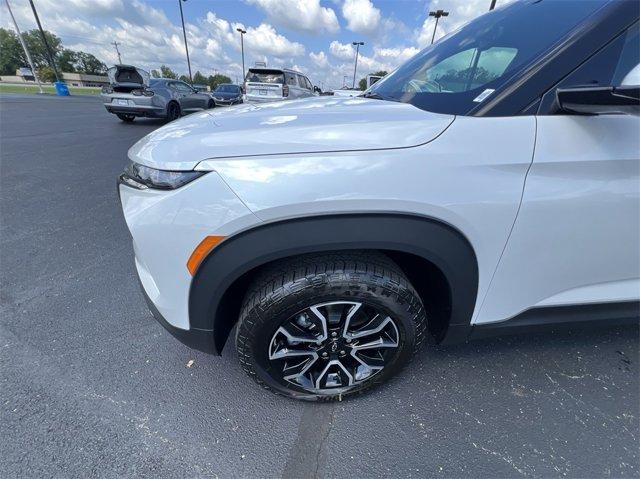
<point>490,184</point>
<point>268,84</point>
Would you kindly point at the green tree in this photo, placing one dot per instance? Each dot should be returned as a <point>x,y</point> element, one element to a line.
<point>155,74</point>
<point>46,74</point>
<point>37,48</point>
<point>167,72</point>
<point>199,79</point>
<point>184,78</point>
<point>214,80</point>
<point>11,54</point>
<point>66,61</point>
<point>89,64</point>
<point>362,84</point>
<point>80,62</point>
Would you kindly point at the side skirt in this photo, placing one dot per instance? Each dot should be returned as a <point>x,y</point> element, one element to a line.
<point>566,317</point>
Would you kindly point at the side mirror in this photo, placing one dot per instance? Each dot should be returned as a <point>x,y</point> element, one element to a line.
<point>317,89</point>
<point>600,100</point>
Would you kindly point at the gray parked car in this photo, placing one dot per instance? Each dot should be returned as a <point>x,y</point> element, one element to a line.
<point>133,93</point>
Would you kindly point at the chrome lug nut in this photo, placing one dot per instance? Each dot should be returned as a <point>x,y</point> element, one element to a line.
<point>334,334</point>
<point>325,354</point>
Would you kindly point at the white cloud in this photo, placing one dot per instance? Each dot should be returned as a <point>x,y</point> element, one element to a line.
<point>343,51</point>
<point>301,15</point>
<point>264,40</point>
<point>361,15</point>
<point>319,59</point>
<point>394,56</point>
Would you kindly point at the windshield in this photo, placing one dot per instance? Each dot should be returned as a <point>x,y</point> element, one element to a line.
<point>463,69</point>
<point>227,89</point>
<point>265,76</point>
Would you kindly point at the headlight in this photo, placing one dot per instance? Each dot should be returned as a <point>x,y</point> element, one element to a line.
<point>142,177</point>
<point>107,89</point>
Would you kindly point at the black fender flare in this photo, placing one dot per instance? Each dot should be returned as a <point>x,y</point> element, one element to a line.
<point>217,288</point>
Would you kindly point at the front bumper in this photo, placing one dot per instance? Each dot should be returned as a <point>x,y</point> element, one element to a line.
<point>234,101</point>
<point>199,339</point>
<point>166,226</point>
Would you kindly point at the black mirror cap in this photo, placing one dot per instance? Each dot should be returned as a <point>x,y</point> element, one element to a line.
<point>600,100</point>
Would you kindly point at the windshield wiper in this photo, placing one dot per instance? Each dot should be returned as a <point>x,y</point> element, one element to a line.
<point>373,95</point>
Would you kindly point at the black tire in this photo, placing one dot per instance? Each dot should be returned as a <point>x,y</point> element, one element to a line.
<point>126,118</point>
<point>211,104</point>
<point>281,291</point>
<point>173,111</point>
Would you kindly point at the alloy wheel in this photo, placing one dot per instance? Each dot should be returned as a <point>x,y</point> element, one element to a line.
<point>331,347</point>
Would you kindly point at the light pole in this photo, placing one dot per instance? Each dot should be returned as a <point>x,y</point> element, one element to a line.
<point>24,47</point>
<point>355,67</point>
<point>115,44</point>
<point>184,33</point>
<point>437,14</point>
<point>44,40</point>
<point>493,5</point>
<point>242,32</point>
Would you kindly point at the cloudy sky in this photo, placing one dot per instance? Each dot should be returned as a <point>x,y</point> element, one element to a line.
<point>312,35</point>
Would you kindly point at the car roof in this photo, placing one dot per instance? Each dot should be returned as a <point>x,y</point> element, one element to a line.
<point>253,69</point>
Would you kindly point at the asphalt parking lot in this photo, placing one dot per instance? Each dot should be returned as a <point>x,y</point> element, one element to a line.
<point>92,386</point>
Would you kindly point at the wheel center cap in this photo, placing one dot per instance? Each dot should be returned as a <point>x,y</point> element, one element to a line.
<point>334,348</point>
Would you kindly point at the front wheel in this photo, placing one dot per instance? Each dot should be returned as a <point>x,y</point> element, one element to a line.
<point>211,104</point>
<point>329,326</point>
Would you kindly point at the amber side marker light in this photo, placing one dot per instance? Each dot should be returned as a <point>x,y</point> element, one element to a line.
<point>202,250</point>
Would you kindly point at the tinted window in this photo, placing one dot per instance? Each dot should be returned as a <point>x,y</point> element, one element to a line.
<point>265,76</point>
<point>628,67</point>
<point>182,87</point>
<point>309,85</point>
<point>291,78</point>
<point>462,70</point>
<point>301,82</point>
<point>228,89</point>
<point>611,66</point>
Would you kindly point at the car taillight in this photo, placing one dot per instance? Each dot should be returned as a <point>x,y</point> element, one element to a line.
<point>148,93</point>
<point>285,90</point>
<point>137,92</point>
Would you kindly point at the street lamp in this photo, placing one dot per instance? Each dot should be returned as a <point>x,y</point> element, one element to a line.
<point>493,5</point>
<point>186,47</point>
<point>24,47</point>
<point>357,45</point>
<point>242,32</point>
<point>44,40</point>
<point>437,14</point>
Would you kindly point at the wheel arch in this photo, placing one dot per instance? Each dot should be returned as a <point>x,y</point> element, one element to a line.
<point>429,251</point>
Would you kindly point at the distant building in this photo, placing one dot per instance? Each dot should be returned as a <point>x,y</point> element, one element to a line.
<point>24,75</point>
<point>80,79</point>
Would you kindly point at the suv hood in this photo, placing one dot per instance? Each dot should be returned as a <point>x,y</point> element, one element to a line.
<point>313,125</point>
